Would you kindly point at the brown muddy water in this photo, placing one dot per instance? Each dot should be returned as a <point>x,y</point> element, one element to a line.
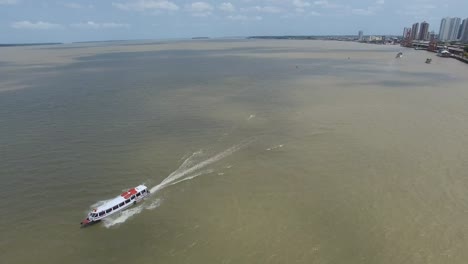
<point>256,151</point>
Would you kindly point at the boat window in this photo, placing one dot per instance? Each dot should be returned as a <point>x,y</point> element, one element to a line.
<point>138,194</point>
<point>115,207</point>
<point>143,191</point>
<point>108,210</point>
<point>121,204</point>
<point>133,197</point>
<point>101,213</point>
<point>127,201</point>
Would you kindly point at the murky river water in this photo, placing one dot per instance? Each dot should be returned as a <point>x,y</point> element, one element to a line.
<point>256,151</point>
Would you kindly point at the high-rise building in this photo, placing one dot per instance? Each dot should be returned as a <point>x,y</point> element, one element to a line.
<point>460,29</point>
<point>432,36</point>
<point>360,34</point>
<point>406,31</point>
<point>414,31</point>
<point>449,27</point>
<point>454,26</point>
<point>444,29</point>
<point>464,31</point>
<point>424,31</point>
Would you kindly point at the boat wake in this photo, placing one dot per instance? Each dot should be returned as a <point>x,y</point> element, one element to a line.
<point>190,168</point>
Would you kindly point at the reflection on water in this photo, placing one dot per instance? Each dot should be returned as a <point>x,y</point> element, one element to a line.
<point>303,155</point>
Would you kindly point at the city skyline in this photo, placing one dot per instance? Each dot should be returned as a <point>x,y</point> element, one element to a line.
<point>23,21</point>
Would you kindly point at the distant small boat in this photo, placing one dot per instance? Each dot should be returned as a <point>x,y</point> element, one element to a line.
<point>399,55</point>
<point>119,203</point>
<point>428,60</point>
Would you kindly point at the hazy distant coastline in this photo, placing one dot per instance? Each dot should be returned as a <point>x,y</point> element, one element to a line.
<point>30,44</point>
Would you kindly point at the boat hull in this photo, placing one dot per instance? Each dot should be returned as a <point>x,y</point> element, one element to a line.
<point>86,223</point>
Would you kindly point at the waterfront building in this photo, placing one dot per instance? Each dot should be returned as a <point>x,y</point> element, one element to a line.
<point>360,35</point>
<point>464,31</point>
<point>414,31</point>
<point>454,26</point>
<point>460,29</point>
<point>444,29</point>
<point>449,27</point>
<point>424,31</point>
<point>405,32</point>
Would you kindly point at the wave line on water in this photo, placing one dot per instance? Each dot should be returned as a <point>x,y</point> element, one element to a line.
<point>185,168</point>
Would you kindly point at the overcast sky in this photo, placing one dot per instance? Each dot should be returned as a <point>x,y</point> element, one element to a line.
<point>83,20</point>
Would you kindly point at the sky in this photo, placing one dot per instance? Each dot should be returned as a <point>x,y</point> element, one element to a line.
<point>25,21</point>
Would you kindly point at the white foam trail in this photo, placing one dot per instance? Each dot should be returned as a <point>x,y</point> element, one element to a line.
<point>125,215</point>
<point>186,171</point>
<point>155,204</point>
<point>122,216</point>
<point>250,117</point>
<point>275,147</point>
<point>183,170</point>
<point>193,176</point>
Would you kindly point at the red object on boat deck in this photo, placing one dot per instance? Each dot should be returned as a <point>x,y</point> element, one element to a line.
<point>129,193</point>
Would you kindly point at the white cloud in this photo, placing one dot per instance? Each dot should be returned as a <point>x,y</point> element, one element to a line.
<point>327,4</point>
<point>143,5</point>
<point>200,9</point>
<point>9,2</point>
<point>227,7</point>
<point>76,5</point>
<point>94,25</point>
<point>416,10</point>
<point>301,4</point>
<point>73,5</point>
<point>263,9</point>
<point>238,17</point>
<point>321,2</point>
<point>244,18</point>
<point>370,10</point>
<point>314,13</point>
<point>362,12</point>
<point>35,25</point>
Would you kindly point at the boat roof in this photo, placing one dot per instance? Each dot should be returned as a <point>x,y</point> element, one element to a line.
<point>117,200</point>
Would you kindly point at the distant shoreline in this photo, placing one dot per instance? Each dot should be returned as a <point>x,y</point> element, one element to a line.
<point>29,44</point>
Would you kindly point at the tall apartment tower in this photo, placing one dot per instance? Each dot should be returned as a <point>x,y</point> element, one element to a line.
<point>424,31</point>
<point>449,28</point>
<point>405,31</point>
<point>460,29</point>
<point>414,31</point>
<point>454,26</point>
<point>360,35</point>
<point>464,31</point>
<point>444,29</point>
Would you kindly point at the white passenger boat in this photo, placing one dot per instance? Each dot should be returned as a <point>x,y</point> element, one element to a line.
<point>119,203</point>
